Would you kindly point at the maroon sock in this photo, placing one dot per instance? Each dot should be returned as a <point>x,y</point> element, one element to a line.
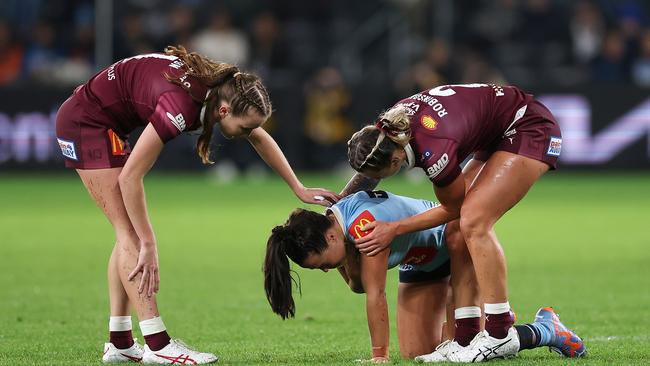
<point>466,329</point>
<point>121,339</point>
<point>497,325</point>
<point>157,341</point>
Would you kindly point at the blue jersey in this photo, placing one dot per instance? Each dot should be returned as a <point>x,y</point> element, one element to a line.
<point>421,250</point>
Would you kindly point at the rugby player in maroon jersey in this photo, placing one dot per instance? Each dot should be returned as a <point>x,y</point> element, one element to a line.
<point>513,140</point>
<point>167,94</point>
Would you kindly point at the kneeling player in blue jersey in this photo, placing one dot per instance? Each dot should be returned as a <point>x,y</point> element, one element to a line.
<point>318,241</point>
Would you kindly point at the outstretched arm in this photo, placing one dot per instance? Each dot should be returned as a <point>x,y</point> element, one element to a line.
<point>359,182</point>
<point>451,199</point>
<point>271,153</point>
<point>373,277</point>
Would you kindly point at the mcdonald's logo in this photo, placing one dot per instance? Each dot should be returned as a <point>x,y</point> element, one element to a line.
<point>117,145</point>
<point>355,229</point>
<point>420,255</point>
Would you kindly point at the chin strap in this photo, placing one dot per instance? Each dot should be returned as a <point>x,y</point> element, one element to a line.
<point>410,156</point>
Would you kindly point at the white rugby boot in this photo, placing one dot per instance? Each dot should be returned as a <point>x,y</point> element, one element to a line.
<point>440,353</point>
<point>484,348</point>
<point>177,353</point>
<point>113,354</point>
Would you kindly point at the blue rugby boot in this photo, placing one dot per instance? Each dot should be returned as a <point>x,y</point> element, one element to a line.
<point>556,336</point>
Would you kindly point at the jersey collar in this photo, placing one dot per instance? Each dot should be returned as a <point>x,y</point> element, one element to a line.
<point>202,114</point>
<point>339,217</point>
<point>410,156</point>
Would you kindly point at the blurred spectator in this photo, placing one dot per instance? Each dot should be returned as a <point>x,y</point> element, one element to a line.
<point>222,42</point>
<point>434,69</point>
<point>641,66</point>
<point>132,38</point>
<point>327,100</point>
<point>180,21</point>
<point>12,55</point>
<point>609,66</point>
<point>587,29</point>
<point>42,55</point>
<point>269,52</point>
<point>530,41</point>
<point>477,70</point>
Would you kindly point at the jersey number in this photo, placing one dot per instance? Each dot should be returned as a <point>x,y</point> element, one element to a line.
<point>377,194</point>
<point>446,90</point>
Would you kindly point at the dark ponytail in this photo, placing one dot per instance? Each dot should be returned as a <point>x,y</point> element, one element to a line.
<point>303,234</point>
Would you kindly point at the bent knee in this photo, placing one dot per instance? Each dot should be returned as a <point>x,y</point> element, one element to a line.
<point>474,226</point>
<point>454,239</point>
<point>127,238</point>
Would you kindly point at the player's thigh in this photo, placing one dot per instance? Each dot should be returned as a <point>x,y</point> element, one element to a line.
<point>471,171</point>
<point>104,188</point>
<point>420,314</point>
<point>504,180</point>
<point>454,239</point>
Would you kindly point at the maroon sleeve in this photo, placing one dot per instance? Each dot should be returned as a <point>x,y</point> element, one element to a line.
<point>442,166</point>
<point>175,112</point>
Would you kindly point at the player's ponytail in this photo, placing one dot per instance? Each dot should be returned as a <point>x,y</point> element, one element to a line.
<point>244,92</point>
<point>302,235</point>
<point>277,274</point>
<point>372,147</point>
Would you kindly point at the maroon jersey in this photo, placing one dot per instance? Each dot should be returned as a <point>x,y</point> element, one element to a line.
<point>450,122</point>
<point>134,91</point>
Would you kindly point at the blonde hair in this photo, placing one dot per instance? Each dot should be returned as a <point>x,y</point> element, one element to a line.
<point>372,147</point>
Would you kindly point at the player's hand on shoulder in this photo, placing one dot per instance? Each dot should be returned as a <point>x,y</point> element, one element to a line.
<point>318,196</point>
<point>381,235</point>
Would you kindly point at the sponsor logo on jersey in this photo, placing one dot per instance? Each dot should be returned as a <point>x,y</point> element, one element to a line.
<point>554,146</point>
<point>176,64</point>
<point>117,145</point>
<point>67,149</point>
<point>426,155</point>
<point>363,219</point>
<point>177,120</point>
<point>438,167</point>
<point>420,255</point>
<point>428,122</point>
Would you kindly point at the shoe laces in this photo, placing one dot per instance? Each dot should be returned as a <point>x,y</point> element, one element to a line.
<point>480,336</point>
<point>184,345</point>
<point>443,345</point>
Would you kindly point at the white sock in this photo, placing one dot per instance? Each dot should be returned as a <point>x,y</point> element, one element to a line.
<point>119,323</point>
<point>152,326</point>
<point>467,312</point>
<point>501,308</point>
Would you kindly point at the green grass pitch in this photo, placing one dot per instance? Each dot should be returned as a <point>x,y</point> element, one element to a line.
<point>578,242</point>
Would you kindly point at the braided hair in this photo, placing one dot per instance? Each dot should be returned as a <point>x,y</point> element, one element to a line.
<point>302,235</point>
<point>372,147</point>
<point>244,92</point>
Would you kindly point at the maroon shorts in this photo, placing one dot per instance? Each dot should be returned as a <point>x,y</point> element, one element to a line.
<point>536,135</point>
<point>86,143</point>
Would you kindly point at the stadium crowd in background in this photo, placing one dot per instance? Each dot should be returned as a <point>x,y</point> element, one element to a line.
<point>516,41</point>
<point>342,59</point>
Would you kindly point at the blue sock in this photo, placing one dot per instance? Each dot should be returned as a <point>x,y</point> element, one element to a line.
<point>545,332</point>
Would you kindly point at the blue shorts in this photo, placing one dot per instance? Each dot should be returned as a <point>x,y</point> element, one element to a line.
<point>412,276</point>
